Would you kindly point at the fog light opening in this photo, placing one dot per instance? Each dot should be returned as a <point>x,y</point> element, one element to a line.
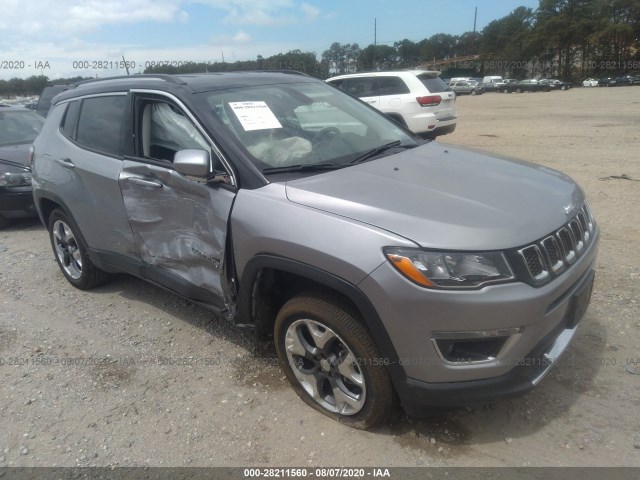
<point>462,348</point>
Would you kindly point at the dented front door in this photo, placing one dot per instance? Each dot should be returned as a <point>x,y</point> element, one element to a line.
<point>179,224</point>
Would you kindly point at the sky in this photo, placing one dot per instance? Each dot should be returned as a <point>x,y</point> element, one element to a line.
<point>66,38</point>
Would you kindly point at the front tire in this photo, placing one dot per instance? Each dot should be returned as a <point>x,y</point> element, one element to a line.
<point>332,362</point>
<point>71,254</point>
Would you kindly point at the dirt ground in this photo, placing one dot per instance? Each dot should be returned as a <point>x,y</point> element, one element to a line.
<point>86,377</point>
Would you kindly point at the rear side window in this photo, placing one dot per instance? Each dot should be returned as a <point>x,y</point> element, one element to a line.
<point>362,87</point>
<point>390,86</point>
<point>100,123</point>
<point>68,126</point>
<point>338,83</point>
<point>433,84</point>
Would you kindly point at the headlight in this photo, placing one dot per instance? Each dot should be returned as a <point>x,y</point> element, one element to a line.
<point>15,179</point>
<point>450,270</point>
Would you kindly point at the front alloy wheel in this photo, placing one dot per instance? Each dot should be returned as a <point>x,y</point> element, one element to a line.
<point>325,367</point>
<point>331,360</point>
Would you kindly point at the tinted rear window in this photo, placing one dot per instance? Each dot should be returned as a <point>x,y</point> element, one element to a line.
<point>433,84</point>
<point>337,83</point>
<point>362,87</point>
<point>391,86</point>
<point>100,123</point>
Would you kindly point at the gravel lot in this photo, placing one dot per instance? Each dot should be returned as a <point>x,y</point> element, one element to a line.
<point>86,380</point>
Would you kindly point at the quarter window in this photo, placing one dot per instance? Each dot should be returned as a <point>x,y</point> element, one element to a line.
<point>100,123</point>
<point>70,119</point>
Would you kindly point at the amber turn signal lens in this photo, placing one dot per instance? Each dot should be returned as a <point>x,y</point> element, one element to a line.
<point>408,269</point>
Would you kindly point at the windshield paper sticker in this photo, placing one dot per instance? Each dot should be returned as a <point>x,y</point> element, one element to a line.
<point>255,115</point>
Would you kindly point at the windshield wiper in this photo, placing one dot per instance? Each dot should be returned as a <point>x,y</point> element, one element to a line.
<point>378,150</point>
<point>312,167</point>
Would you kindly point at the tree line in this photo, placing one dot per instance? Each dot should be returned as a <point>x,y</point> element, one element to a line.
<point>568,39</point>
<point>33,85</point>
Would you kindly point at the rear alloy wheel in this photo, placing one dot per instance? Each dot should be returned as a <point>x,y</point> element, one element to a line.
<point>332,362</point>
<point>71,254</point>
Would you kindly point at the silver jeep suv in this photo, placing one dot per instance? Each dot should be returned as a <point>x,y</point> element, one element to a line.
<point>383,267</point>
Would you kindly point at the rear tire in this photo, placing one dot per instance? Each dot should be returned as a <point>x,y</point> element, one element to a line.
<point>71,254</point>
<point>332,362</point>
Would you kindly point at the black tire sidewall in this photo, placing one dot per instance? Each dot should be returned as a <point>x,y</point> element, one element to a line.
<point>294,310</point>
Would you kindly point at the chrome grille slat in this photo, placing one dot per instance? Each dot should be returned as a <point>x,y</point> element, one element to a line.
<point>578,234</point>
<point>559,249</point>
<point>554,253</point>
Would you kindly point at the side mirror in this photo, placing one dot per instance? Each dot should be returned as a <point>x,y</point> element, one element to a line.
<point>192,162</point>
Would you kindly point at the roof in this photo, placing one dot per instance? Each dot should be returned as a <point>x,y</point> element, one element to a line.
<point>185,83</point>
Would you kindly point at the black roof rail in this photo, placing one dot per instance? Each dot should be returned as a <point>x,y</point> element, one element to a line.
<point>149,76</point>
<point>292,72</point>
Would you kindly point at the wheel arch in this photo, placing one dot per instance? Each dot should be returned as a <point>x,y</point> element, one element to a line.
<point>46,204</point>
<point>396,117</point>
<point>268,281</point>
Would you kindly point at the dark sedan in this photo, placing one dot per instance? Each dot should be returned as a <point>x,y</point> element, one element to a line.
<point>628,80</point>
<point>525,86</point>
<point>607,82</point>
<point>555,84</point>
<point>18,129</point>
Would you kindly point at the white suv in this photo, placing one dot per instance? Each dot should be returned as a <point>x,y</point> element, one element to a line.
<point>417,99</point>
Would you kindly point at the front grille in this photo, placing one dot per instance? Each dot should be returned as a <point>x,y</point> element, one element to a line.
<point>559,249</point>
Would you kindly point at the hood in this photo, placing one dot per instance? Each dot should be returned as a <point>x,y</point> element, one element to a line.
<point>447,198</point>
<point>15,156</point>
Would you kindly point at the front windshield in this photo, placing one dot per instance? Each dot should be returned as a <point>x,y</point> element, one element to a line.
<point>304,125</point>
<point>19,127</point>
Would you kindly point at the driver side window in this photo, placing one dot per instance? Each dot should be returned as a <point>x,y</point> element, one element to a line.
<point>164,130</point>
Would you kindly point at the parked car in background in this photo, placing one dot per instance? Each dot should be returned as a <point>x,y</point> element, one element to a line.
<point>492,83</point>
<point>590,82</point>
<point>416,99</point>
<point>607,82</point>
<point>383,268</point>
<point>47,94</point>
<point>466,87</point>
<point>555,84</point>
<point>627,80</point>
<point>529,85</point>
<point>19,127</point>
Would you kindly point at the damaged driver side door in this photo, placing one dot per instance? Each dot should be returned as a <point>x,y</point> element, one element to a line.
<point>179,223</point>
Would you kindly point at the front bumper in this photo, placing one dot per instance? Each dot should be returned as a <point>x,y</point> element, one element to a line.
<point>526,374</point>
<point>544,318</point>
<point>17,202</point>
